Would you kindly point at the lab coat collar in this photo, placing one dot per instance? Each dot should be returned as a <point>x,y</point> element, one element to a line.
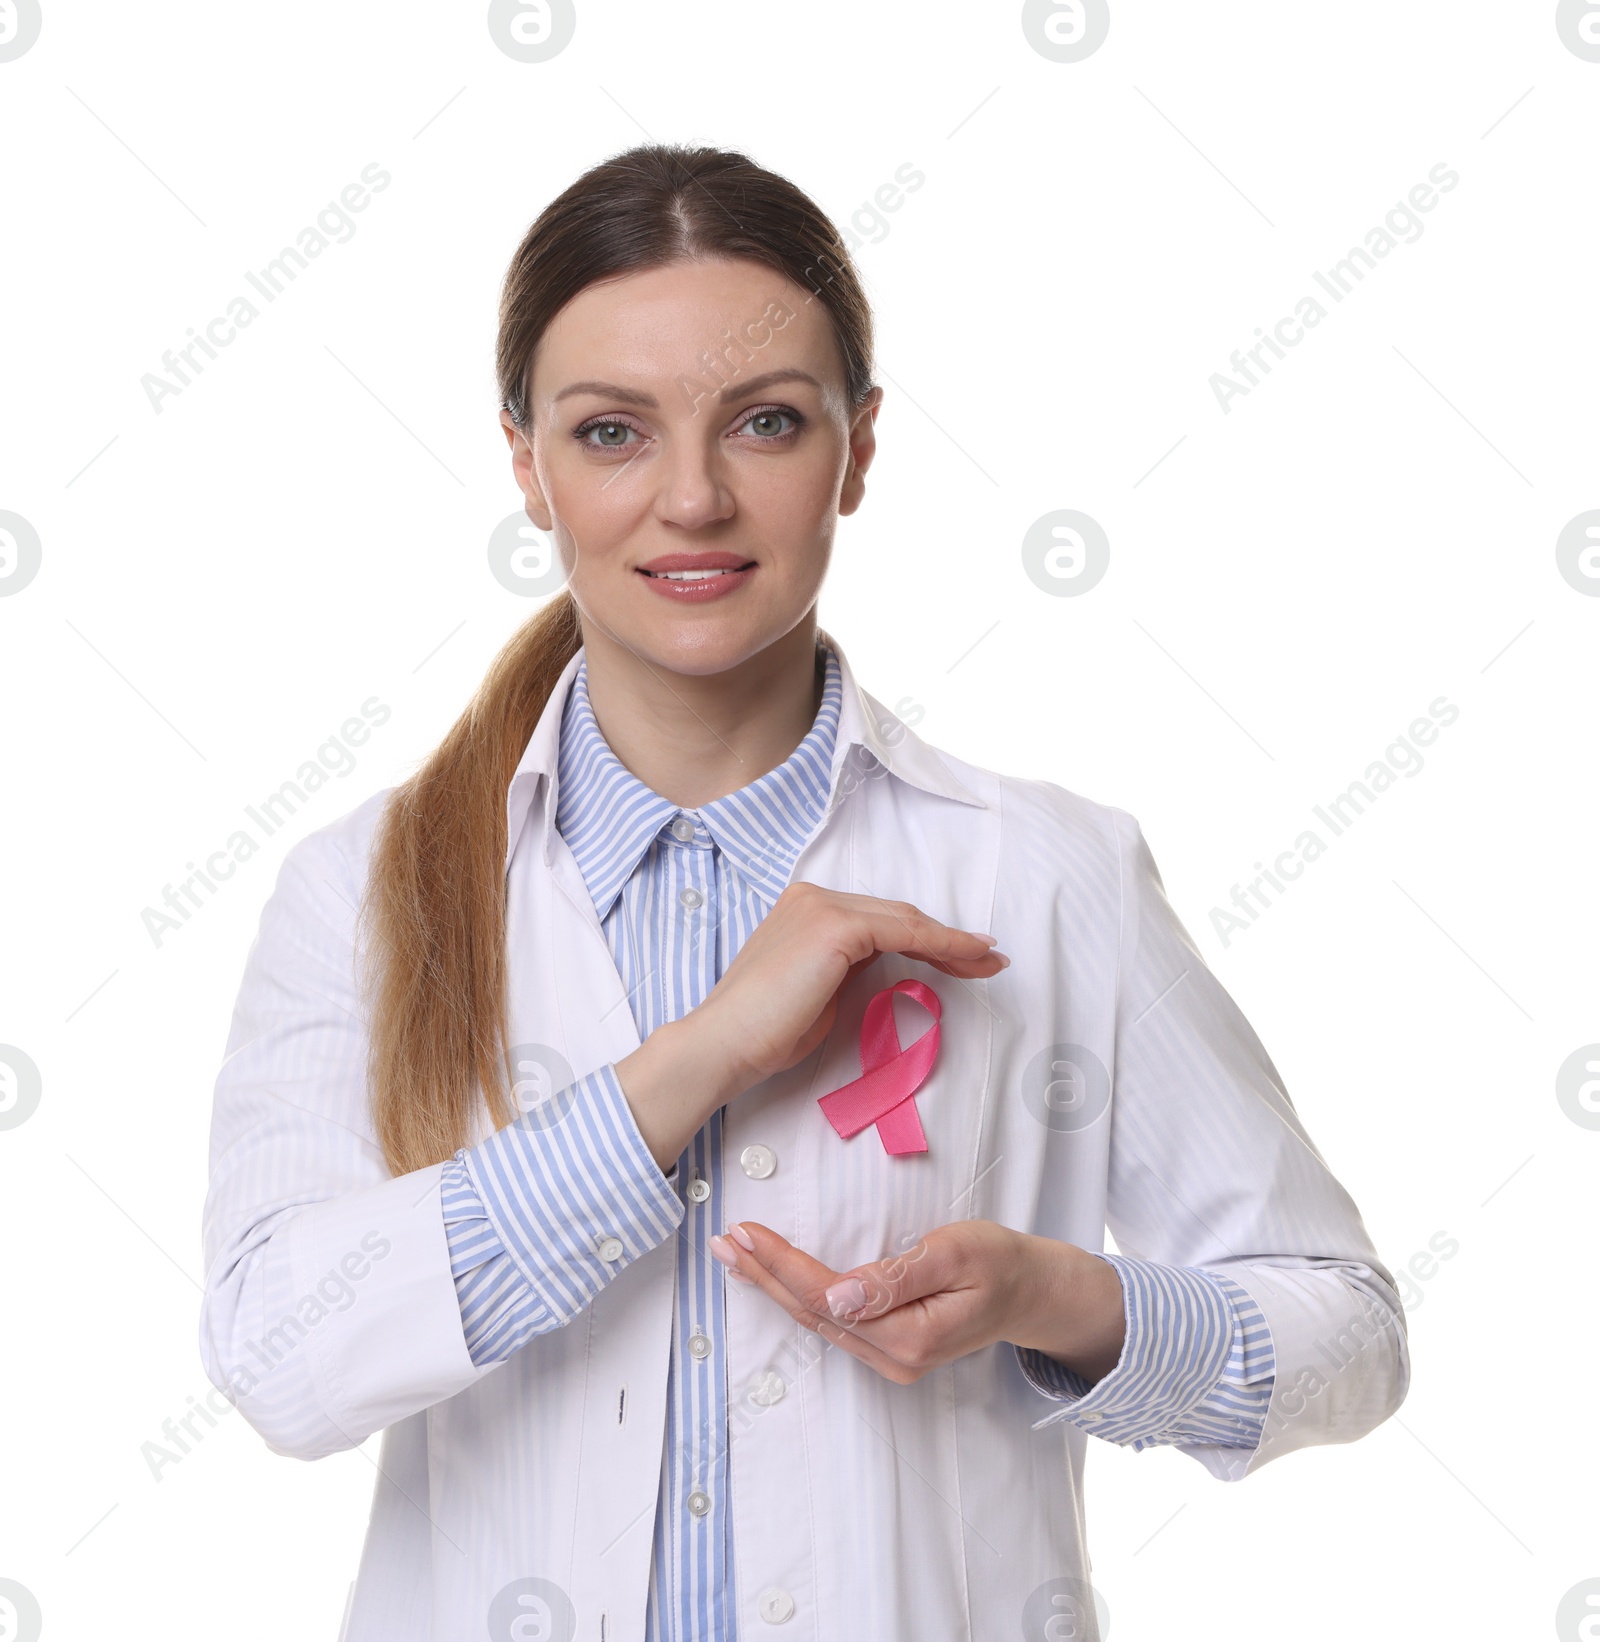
<point>885,741</point>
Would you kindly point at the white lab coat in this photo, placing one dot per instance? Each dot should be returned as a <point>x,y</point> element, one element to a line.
<point>1104,1078</point>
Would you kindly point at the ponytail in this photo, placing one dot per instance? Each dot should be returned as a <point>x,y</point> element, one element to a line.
<point>434,911</point>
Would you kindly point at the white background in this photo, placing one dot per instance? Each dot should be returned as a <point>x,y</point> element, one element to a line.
<point>1372,527</point>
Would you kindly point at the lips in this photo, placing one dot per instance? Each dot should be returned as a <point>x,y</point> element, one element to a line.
<point>696,578</point>
<point>691,575</point>
<point>694,566</point>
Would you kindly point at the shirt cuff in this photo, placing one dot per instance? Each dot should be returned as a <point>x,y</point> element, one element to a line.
<point>1235,1414</point>
<point>1196,1364</point>
<point>545,1212</point>
<point>500,1313</point>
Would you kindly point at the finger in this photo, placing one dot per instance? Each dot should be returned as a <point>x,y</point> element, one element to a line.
<point>736,1250</point>
<point>875,1305</point>
<point>763,1251</point>
<point>966,967</point>
<point>881,1286</point>
<point>918,1308</point>
<point>856,968</point>
<point>899,926</point>
<point>856,1297</point>
<point>969,969</point>
<point>836,1334</point>
<point>748,1265</point>
<point>751,1269</point>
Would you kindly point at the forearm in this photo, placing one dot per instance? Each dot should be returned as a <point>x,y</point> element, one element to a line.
<point>1196,1369</point>
<point>545,1212</point>
<point>1069,1306</point>
<point>676,1079</point>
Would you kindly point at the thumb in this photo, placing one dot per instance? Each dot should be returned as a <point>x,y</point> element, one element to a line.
<point>881,1285</point>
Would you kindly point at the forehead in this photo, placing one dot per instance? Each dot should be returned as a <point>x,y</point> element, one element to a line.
<point>656,325</point>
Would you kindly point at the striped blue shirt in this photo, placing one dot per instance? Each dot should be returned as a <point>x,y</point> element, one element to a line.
<point>542,1214</point>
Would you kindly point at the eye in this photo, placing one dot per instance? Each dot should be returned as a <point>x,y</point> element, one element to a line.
<point>605,435</point>
<point>770,423</point>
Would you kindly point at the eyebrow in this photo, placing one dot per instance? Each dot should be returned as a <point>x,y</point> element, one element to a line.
<point>742,390</point>
<point>734,390</point>
<point>609,390</point>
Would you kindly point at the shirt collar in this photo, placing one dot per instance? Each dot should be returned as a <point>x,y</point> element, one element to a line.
<point>869,740</point>
<point>609,817</point>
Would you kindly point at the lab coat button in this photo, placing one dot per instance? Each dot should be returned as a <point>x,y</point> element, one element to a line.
<point>767,1388</point>
<point>609,1249</point>
<point>699,1189</point>
<point>683,829</point>
<point>758,1161</point>
<point>775,1605</point>
<point>699,1346</point>
<point>699,1503</point>
<point>691,897</point>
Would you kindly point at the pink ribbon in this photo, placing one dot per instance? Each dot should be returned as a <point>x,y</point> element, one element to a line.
<point>890,1075</point>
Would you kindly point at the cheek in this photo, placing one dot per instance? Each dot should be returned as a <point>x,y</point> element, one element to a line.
<point>595,507</point>
<point>793,498</point>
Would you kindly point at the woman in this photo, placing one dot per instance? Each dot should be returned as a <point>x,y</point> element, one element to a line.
<point>570,1131</point>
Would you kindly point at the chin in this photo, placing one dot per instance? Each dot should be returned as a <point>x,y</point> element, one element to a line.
<point>704,645</point>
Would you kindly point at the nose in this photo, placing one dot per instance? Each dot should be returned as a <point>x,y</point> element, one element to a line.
<point>694,493</point>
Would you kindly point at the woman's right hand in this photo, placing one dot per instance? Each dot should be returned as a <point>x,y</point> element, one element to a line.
<point>778,999</point>
<point>777,1002</point>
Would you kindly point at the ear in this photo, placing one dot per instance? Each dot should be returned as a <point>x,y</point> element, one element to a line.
<point>525,473</point>
<point>863,447</point>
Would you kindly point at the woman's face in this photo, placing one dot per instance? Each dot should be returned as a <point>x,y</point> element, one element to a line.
<point>692,418</point>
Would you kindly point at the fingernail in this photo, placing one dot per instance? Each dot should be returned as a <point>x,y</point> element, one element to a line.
<point>847,1297</point>
<point>1005,962</point>
<point>991,939</point>
<point>724,1251</point>
<point>742,1236</point>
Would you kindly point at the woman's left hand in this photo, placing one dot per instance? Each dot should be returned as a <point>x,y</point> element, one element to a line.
<point>963,1287</point>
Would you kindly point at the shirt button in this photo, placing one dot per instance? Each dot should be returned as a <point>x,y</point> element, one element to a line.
<point>690,897</point>
<point>699,1346</point>
<point>609,1249</point>
<point>775,1605</point>
<point>699,1503</point>
<point>699,1189</point>
<point>758,1161</point>
<point>767,1388</point>
<point>683,829</point>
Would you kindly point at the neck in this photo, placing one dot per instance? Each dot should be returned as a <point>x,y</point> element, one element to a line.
<point>695,738</point>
